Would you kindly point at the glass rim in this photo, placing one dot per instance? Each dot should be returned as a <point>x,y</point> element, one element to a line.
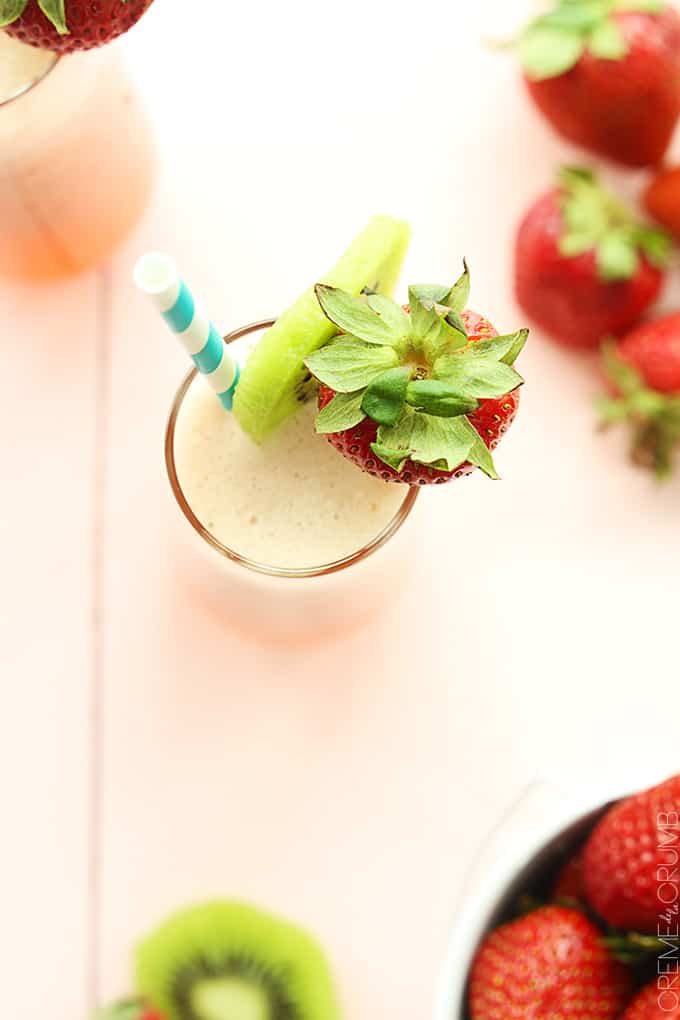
<point>377,542</point>
<point>32,83</point>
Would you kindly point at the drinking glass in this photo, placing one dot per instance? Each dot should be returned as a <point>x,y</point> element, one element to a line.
<point>76,159</point>
<point>290,603</point>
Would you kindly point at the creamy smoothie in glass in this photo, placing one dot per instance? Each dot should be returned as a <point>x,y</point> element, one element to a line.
<point>295,541</point>
<point>76,159</point>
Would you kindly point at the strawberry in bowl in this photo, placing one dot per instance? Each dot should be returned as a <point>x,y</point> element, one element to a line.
<point>68,25</point>
<point>538,965</point>
<point>606,75</point>
<point>585,267</point>
<point>627,872</point>
<point>576,914</point>
<point>418,394</point>
<point>658,1000</point>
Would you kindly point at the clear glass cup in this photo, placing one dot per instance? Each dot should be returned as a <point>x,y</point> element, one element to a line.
<point>76,159</point>
<point>289,604</point>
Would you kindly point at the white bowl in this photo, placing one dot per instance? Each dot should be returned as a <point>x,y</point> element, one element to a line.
<point>539,828</point>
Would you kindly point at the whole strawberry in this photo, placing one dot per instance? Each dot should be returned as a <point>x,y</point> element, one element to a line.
<point>68,25</point>
<point>644,373</point>
<point>630,861</point>
<point>606,74</point>
<point>551,963</point>
<point>419,394</point>
<point>584,267</point>
<point>659,1000</point>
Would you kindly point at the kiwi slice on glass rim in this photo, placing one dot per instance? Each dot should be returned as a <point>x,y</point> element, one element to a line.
<point>274,380</point>
<point>231,961</point>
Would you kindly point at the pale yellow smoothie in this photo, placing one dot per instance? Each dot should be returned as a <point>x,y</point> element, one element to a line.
<point>293,502</point>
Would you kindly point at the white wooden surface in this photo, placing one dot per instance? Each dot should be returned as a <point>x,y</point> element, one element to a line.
<point>148,756</point>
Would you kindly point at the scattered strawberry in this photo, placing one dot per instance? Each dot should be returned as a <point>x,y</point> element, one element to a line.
<point>659,1000</point>
<point>606,74</point>
<point>644,372</point>
<point>584,267</point>
<point>68,25</point>
<point>627,873</point>
<point>662,198</point>
<point>569,884</point>
<point>418,394</point>
<point>551,963</point>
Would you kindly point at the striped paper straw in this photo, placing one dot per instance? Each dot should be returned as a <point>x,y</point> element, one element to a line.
<point>158,277</point>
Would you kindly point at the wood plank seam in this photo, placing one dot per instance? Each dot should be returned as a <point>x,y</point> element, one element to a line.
<point>99,534</point>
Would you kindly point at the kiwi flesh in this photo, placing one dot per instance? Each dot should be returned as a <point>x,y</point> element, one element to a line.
<point>274,380</point>
<point>231,961</point>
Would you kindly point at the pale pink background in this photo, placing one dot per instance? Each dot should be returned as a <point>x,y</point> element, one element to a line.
<point>150,757</point>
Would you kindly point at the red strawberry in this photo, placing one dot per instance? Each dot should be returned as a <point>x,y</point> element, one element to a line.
<point>584,268</point>
<point>662,198</point>
<point>607,79</point>
<point>418,394</point>
<point>73,24</point>
<point>644,370</point>
<point>550,963</point>
<point>630,862</point>
<point>659,1000</point>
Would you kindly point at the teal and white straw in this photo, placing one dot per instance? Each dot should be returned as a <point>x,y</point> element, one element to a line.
<point>158,277</point>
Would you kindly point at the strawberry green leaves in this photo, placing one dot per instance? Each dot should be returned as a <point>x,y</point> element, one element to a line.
<point>344,411</point>
<point>451,299</point>
<point>547,52</point>
<point>477,377</point>
<point>482,371</point>
<point>358,319</point>
<point>459,294</point>
<point>349,364</point>
<point>607,41</point>
<point>501,348</point>
<point>443,443</point>
<point>431,332</point>
<point>385,397</point>
<point>10,10</point>
<point>438,398</point>
<point>54,12</point>
<point>415,375</point>
<point>654,416</point>
<point>616,256</point>
<point>552,44</point>
<point>391,313</point>
<point>595,220</point>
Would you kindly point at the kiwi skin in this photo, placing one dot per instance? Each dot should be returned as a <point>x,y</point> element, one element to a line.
<point>228,940</point>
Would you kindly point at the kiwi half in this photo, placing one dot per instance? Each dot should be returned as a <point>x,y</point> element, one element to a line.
<point>274,380</point>
<point>230,961</point>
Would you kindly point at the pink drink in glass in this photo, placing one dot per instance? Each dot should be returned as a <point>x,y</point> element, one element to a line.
<point>76,159</point>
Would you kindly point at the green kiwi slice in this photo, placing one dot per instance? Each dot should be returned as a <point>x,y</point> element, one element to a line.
<point>230,961</point>
<point>274,380</point>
